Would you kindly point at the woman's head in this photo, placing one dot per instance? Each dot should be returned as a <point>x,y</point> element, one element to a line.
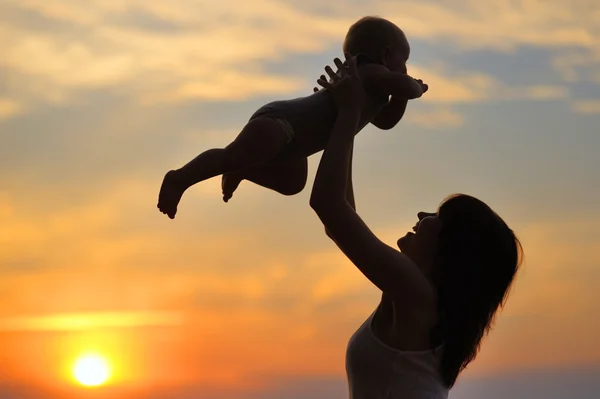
<point>421,245</point>
<point>473,257</point>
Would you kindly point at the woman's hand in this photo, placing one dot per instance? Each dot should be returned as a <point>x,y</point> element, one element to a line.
<point>333,76</point>
<point>346,86</point>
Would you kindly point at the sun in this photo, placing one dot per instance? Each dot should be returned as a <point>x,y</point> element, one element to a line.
<point>91,370</point>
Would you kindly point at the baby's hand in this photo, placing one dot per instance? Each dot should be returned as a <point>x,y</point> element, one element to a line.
<point>424,86</point>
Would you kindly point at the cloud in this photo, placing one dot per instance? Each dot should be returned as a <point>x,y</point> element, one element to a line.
<point>473,24</point>
<point>500,24</point>
<point>89,321</point>
<point>338,277</point>
<point>473,87</point>
<point>297,299</point>
<point>227,86</point>
<point>578,65</point>
<point>158,52</point>
<point>465,87</point>
<point>204,59</point>
<point>9,108</point>
<point>435,118</point>
<point>554,297</point>
<point>586,107</point>
<point>539,92</point>
<point>55,254</point>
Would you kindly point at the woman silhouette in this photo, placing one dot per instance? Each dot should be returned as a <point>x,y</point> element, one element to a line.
<point>440,290</point>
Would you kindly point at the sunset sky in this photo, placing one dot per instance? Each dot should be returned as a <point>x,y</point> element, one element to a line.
<point>250,300</point>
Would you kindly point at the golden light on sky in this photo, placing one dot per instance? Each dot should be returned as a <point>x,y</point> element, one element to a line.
<point>91,370</point>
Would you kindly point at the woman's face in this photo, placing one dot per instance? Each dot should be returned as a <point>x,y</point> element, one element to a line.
<point>422,244</point>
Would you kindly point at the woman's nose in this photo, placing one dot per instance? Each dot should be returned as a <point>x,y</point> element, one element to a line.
<point>423,215</point>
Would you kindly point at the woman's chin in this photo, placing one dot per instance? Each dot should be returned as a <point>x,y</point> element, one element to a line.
<point>404,242</point>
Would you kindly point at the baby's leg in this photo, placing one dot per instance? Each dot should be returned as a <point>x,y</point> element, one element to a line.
<point>259,142</point>
<point>287,178</point>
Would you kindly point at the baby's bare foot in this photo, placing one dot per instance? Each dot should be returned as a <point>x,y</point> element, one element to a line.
<point>229,183</point>
<point>170,194</point>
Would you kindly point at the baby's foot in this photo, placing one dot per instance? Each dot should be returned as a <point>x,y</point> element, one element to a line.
<point>170,194</point>
<point>229,183</point>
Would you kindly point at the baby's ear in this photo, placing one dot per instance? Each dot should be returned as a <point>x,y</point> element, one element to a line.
<point>384,55</point>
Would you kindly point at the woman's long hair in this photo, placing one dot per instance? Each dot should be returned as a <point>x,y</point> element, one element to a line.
<point>478,258</point>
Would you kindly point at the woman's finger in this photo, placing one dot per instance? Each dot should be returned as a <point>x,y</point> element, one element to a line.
<point>315,89</point>
<point>330,72</point>
<point>324,83</point>
<point>340,65</point>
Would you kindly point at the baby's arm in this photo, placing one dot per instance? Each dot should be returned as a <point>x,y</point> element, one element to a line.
<point>399,86</point>
<point>391,113</point>
<point>388,83</point>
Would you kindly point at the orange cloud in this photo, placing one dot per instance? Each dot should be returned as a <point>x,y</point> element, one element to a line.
<point>550,311</point>
<point>235,303</point>
<point>89,321</point>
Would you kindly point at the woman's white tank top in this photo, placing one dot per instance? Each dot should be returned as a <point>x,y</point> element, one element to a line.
<point>378,371</point>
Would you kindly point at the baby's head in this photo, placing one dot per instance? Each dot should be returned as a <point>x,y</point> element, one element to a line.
<point>381,40</point>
